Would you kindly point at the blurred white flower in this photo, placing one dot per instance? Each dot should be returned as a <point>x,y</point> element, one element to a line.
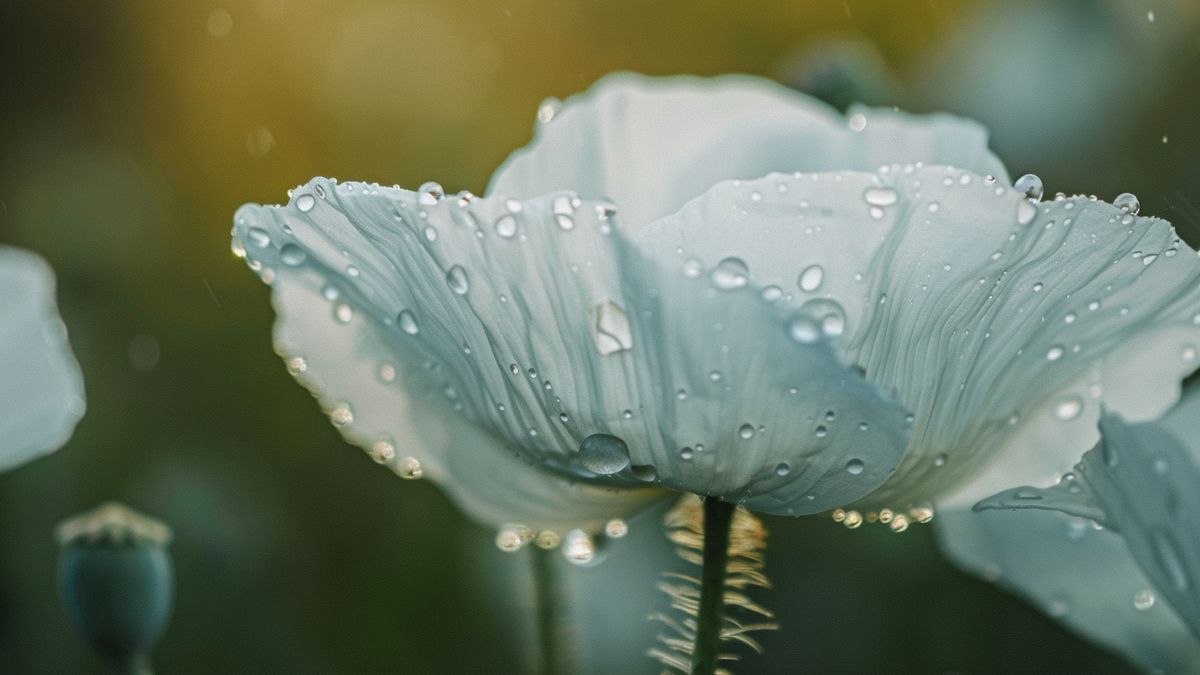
<point>1113,550</point>
<point>41,388</point>
<point>726,288</point>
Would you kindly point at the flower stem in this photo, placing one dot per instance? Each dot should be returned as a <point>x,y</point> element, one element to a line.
<point>718,516</point>
<point>551,612</point>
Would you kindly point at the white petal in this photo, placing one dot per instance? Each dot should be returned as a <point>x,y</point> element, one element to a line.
<point>992,319</point>
<point>1144,483</point>
<point>41,391</point>
<point>1084,577</point>
<point>543,335</point>
<point>652,144</point>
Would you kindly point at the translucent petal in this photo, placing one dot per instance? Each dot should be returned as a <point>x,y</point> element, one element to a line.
<point>554,341</point>
<point>995,320</point>
<point>1144,483</point>
<point>41,392</point>
<point>1083,576</point>
<point>652,144</point>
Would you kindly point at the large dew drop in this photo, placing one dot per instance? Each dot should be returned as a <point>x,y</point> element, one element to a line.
<point>1031,186</point>
<point>611,330</point>
<point>603,454</point>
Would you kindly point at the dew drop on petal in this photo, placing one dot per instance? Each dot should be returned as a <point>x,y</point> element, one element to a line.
<point>855,467</point>
<point>804,330</point>
<point>1143,599</point>
<point>341,415</point>
<point>746,432</point>
<point>305,203</point>
<point>603,454</point>
<point>342,313</point>
<point>731,273</point>
<point>382,451</point>
<point>1055,353</point>
<point>881,196</point>
<point>292,255</point>
<point>259,237</point>
<point>430,193</point>
<point>782,469</point>
<point>1031,186</point>
<point>578,547</point>
<point>611,332</point>
<point>407,322</point>
<point>456,278</point>
<point>692,268</point>
<point>506,226</point>
<point>616,528</point>
<point>811,278</point>
<point>1068,408</point>
<point>1128,203</point>
<point>409,468</point>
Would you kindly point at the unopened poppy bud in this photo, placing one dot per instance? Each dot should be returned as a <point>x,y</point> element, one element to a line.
<point>117,582</point>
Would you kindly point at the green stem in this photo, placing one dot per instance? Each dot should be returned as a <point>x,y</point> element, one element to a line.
<point>718,516</point>
<point>552,620</point>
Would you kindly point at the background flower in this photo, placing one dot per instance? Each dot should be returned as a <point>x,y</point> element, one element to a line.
<point>41,392</point>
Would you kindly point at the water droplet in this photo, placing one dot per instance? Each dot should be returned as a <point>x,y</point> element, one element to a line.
<point>1026,212</point>
<point>730,273</point>
<point>881,196</point>
<point>616,528</point>
<point>804,330</point>
<point>1143,599</point>
<point>828,314</point>
<point>259,237</point>
<point>1128,203</point>
<point>603,454</point>
<point>645,472</point>
<point>430,193</point>
<point>1037,287</point>
<point>855,467</point>
<point>1031,186</point>
<point>811,278</point>
<point>1068,408</point>
<point>456,278</point>
<point>564,212</point>
<point>940,459</point>
<point>692,268</point>
<point>509,540</point>
<point>305,203</point>
<point>681,394</point>
<point>430,234</point>
<point>746,432</point>
<point>506,226</point>
<point>857,122</point>
<point>1055,353</point>
<point>341,415</point>
<point>899,523</point>
<point>686,454</point>
<point>1069,317</point>
<point>382,451</point>
<point>297,365</point>
<point>547,540</point>
<point>292,255</point>
<point>714,376</point>
<point>612,333</point>
<point>343,313</point>
<point>578,547</point>
<point>409,468</point>
<point>821,431</point>
<point>782,469</point>
<point>407,322</point>
<point>772,293</point>
<point>852,520</point>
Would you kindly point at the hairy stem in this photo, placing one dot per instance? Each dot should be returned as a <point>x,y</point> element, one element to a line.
<point>718,516</point>
<point>552,620</point>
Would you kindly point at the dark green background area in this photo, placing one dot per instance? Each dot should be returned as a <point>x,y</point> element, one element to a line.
<point>131,130</point>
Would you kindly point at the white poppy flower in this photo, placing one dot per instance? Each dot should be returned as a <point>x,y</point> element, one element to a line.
<point>1113,550</point>
<point>723,287</point>
<point>41,391</point>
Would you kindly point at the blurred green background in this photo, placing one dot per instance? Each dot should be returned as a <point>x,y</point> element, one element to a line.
<point>131,130</point>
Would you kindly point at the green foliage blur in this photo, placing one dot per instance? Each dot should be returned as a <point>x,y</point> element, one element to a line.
<point>130,130</point>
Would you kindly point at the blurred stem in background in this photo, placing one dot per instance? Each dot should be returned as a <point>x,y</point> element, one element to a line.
<point>554,631</point>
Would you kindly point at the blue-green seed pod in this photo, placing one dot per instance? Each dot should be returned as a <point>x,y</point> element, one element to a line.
<point>117,583</point>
